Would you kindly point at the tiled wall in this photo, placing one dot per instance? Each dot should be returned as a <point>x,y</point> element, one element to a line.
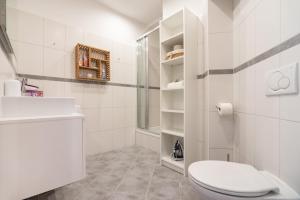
<point>45,47</point>
<point>217,88</point>
<point>266,128</point>
<point>6,71</point>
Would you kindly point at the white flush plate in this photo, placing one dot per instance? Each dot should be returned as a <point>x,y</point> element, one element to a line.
<point>283,80</point>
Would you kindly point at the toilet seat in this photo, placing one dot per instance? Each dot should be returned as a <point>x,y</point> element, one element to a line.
<point>231,178</point>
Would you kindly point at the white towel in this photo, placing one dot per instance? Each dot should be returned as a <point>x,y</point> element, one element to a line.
<point>177,84</point>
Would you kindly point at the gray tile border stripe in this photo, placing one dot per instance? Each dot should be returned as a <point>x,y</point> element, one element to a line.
<point>272,52</point>
<point>154,88</point>
<point>203,75</point>
<point>215,72</point>
<point>70,80</point>
<point>220,71</point>
<point>294,41</point>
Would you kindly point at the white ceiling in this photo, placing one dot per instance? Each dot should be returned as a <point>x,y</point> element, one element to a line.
<point>144,11</point>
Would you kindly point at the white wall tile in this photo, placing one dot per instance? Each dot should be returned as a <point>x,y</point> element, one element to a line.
<point>131,96</point>
<point>130,136</point>
<point>130,117</point>
<point>54,88</point>
<point>54,63</point>
<point>267,25</point>
<point>91,96</point>
<point>55,35</point>
<point>29,58</point>
<point>119,139</point>
<point>74,90</point>
<point>289,104</point>
<point>220,51</point>
<point>236,137</point>
<point>245,136</point>
<point>125,72</point>
<point>247,90</point>
<point>221,131</point>
<point>73,37</point>
<point>91,119</point>
<point>70,69</point>
<point>118,96</point>
<point>105,96</point>
<point>265,105</point>
<point>105,119</point>
<point>236,47</point>
<point>290,17</point>
<point>25,27</point>
<point>98,41</point>
<point>99,142</point>
<point>247,39</point>
<point>220,16</point>
<point>118,119</point>
<point>266,155</point>
<point>220,90</point>
<point>220,154</point>
<point>289,154</point>
<point>236,85</point>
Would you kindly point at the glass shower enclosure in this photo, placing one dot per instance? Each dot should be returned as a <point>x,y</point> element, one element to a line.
<point>148,81</point>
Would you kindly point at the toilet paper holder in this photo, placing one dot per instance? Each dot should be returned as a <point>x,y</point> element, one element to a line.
<point>218,107</point>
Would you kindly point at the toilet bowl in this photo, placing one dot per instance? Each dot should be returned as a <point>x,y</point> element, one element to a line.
<point>219,180</point>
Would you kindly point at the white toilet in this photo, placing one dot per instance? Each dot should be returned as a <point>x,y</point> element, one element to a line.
<point>219,180</point>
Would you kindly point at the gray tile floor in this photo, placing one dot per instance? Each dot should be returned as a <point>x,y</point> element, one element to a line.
<point>132,173</point>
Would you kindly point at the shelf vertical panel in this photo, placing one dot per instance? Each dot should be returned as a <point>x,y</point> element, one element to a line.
<point>193,150</point>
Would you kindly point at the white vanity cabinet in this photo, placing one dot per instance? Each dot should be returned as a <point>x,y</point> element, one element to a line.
<point>39,153</point>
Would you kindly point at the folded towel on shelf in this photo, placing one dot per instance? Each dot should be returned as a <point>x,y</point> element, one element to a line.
<point>177,84</point>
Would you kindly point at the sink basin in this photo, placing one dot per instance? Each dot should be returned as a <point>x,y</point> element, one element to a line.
<point>35,106</point>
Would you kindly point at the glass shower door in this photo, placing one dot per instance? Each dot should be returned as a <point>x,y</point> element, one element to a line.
<point>142,82</point>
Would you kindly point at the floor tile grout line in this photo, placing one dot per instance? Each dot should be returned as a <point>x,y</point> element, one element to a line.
<point>123,178</point>
<point>180,190</point>
<point>149,184</point>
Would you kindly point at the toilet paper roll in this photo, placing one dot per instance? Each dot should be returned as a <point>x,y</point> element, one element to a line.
<point>224,109</point>
<point>12,88</point>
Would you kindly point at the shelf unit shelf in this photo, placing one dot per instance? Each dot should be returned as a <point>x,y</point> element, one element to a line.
<point>177,114</point>
<point>174,39</point>
<point>174,61</point>
<point>172,111</point>
<point>176,132</point>
<point>89,68</point>
<point>172,89</point>
<point>175,165</point>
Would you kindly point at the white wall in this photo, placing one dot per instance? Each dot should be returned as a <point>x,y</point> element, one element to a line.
<point>219,55</point>
<point>87,15</point>
<point>6,71</point>
<point>266,128</point>
<point>44,39</point>
<point>172,6</point>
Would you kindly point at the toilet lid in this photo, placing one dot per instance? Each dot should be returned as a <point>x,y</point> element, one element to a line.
<point>231,178</point>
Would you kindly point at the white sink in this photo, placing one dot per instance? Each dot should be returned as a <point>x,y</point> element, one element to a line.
<point>36,106</point>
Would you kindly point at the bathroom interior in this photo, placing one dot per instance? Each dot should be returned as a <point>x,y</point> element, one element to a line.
<point>149,100</point>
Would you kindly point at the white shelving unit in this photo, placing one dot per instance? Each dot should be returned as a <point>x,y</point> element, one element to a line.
<point>178,105</point>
